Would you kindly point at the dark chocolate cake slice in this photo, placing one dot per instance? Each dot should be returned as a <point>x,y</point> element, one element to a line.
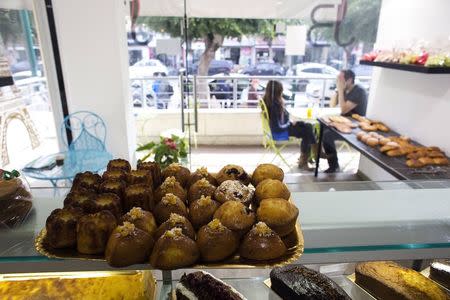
<point>203,286</point>
<point>299,282</point>
<point>440,272</point>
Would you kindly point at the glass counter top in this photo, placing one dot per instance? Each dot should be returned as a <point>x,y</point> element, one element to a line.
<point>333,222</point>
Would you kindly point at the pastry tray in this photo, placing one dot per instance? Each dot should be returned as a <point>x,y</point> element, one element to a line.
<point>294,243</point>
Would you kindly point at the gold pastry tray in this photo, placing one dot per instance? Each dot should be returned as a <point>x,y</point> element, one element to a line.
<point>294,243</point>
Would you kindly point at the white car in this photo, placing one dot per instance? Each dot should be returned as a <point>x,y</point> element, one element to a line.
<point>321,73</point>
<point>147,68</point>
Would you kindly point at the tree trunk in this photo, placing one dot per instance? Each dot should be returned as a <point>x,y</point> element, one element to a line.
<point>269,44</point>
<point>213,42</point>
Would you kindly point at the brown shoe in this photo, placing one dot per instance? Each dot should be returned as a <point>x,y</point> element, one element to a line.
<point>303,163</point>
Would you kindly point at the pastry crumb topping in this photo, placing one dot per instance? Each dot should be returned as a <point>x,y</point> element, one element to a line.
<point>204,200</point>
<point>174,232</point>
<point>169,199</point>
<point>216,225</point>
<point>176,218</point>
<point>202,183</point>
<point>169,182</point>
<point>126,229</point>
<point>261,229</point>
<point>174,166</point>
<point>136,213</point>
<point>202,171</point>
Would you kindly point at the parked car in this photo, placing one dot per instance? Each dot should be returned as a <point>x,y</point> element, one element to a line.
<point>147,68</point>
<point>315,87</point>
<point>265,69</point>
<point>215,67</point>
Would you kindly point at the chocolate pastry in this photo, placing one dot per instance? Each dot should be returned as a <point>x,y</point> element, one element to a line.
<point>278,214</point>
<point>113,186</point>
<point>271,188</point>
<point>120,164</point>
<point>235,216</point>
<point>200,188</point>
<point>154,169</point>
<point>168,205</point>
<point>81,198</point>
<point>201,173</point>
<point>61,227</point>
<point>142,219</point>
<point>139,195</point>
<point>262,243</point>
<point>107,201</point>
<point>93,232</point>
<point>174,250</point>
<point>234,190</point>
<point>202,210</point>
<point>116,174</point>
<point>299,282</point>
<point>176,221</point>
<point>140,176</point>
<point>267,171</point>
<point>233,172</point>
<point>181,174</point>
<point>86,180</point>
<point>216,242</point>
<point>172,186</point>
<point>128,245</point>
<point>440,272</point>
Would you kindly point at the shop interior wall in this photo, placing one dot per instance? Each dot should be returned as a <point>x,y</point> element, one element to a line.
<point>414,104</point>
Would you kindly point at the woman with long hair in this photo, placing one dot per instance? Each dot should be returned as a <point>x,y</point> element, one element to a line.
<point>280,125</point>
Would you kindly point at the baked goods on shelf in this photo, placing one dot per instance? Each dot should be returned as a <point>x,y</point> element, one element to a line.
<point>93,231</point>
<point>181,174</point>
<point>113,186</point>
<point>128,245</point>
<point>176,221</point>
<point>267,171</point>
<point>86,180</point>
<point>140,176</point>
<point>262,243</point>
<point>169,204</point>
<point>154,169</point>
<point>278,214</point>
<point>234,190</point>
<point>235,216</point>
<point>138,195</point>
<point>233,172</point>
<point>61,227</point>
<point>81,198</point>
<point>202,173</point>
<point>115,174</point>
<point>388,280</point>
<point>202,210</point>
<point>174,250</point>
<point>440,272</point>
<point>271,188</point>
<point>15,199</point>
<point>119,164</point>
<point>201,285</point>
<point>200,188</point>
<point>299,282</point>
<point>172,186</point>
<point>142,219</point>
<point>107,201</point>
<point>216,242</point>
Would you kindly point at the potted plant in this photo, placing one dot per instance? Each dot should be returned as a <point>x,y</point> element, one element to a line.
<point>166,151</point>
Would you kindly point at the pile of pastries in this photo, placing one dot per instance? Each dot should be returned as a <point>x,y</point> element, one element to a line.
<point>370,125</point>
<point>173,218</point>
<point>341,123</point>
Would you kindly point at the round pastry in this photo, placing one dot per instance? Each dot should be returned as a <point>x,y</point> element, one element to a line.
<point>216,242</point>
<point>86,180</point>
<point>174,250</point>
<point>382,127</point>
<point>142,219</point>
<point>140,176</point>
<point>201,188</point>
<point>169,204</point>
<point>128,245</point>
<point>81,198</point>
<point>383,141</point>
<point>107,201</point>
<point>278,214</point>
<point>61,227</point>
<point>234,190</point>
<point>233,172</point>
<point>202,210</point>
<point>93,232</point>
<point>414,163</point>
<point>372,141</point>
<point>360,134</point>
<point>201,173</point>
<point>440,161</point>
<point>267,171</point>
<point>170,185</point>
<point>116,174</point>
<point>176,221</point>
<point>262,243</point>
<point>180,173</point>
<point>154,169</point>
<point>235,216</point>
<point>113,186</point>
<point>271,188</point>
<point>120,164</point>
<point>138,195</point>
<point>365,137</point>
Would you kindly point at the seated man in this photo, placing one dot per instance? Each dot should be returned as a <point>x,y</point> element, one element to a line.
<point>352,99</point>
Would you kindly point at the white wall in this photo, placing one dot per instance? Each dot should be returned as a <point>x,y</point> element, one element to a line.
<point>414,104</point>
<point>93,47</point>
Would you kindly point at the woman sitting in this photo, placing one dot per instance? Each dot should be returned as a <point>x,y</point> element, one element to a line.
<point>282,128</point>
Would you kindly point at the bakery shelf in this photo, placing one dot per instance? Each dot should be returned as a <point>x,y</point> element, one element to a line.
<point>339,226</point>
<point>407,67</point>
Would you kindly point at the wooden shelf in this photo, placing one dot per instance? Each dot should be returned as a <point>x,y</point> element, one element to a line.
<point>408,67</point>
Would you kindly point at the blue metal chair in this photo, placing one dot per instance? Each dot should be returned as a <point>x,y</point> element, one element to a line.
<point>86,152</point>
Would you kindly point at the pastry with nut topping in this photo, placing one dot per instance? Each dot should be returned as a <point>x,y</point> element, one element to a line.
<point>169,204</point>
<point>201,173</point>
<point>216,242</point>
<point>176,221</point>
<point>202,210</point>
<point>142,219</point>
<point>201,188</point>
<point>172,186</point>
<point>181,174</point>
<point>262,243</point>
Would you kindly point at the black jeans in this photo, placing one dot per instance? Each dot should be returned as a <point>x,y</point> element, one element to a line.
<point>328,140</point>
<point>305,132</point>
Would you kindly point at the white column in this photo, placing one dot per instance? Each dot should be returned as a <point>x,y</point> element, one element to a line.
<point>94,58</point>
